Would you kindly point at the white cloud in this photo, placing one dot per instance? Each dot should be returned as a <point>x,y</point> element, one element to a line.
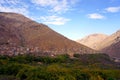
<point>57,6</point>
<point>55,20</point>
<point>62,6</point>
<point>14,2</point>
<point>45,2</point>
<point>95,16</point>
<point>113,9</point>
<point>16,10</point>
<point>13,6</point>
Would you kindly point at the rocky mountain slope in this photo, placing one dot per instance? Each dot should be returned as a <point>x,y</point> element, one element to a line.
<point>111,45</point>
<point>92,40</point>
<point>103,43</point>
<point>18,31</point>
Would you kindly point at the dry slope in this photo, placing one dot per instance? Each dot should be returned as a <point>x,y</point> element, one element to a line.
<point>103,43</point>
<point>17,30</point>
<point>92,40</point>
<point>111,45</point>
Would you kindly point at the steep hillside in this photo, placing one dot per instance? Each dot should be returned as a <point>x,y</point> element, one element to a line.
<point>92,40</point>
<point>103,43</point>
<point>113,50</point>
<point>18,31</point>
<point>109,40</point>
<point>111,45</point>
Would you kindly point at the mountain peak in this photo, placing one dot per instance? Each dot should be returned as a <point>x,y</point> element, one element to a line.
<point>92,40</point>
<point>15,16</point>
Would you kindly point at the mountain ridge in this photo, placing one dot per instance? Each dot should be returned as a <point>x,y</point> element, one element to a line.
<point>109,44</point>
<point>23,32</point>
<point>92,40</point>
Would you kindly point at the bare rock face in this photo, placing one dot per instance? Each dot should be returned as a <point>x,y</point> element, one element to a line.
<point>17,30</point>
<point>92,40</point>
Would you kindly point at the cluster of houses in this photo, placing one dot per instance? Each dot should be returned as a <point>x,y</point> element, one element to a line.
<point>16,50</point>
<point>13,50</point>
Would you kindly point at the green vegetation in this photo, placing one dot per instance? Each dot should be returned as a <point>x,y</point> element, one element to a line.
<point>61,67</point>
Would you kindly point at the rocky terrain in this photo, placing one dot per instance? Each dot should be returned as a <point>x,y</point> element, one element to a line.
<point>21,33</point>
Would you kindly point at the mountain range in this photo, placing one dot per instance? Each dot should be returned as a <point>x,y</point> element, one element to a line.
<point>19,34</point>
<point>105,44</point>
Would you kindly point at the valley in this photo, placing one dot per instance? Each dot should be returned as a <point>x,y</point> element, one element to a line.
<point>32,51</point>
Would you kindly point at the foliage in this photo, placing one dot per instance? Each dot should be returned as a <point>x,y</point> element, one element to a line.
<point>61,67</point>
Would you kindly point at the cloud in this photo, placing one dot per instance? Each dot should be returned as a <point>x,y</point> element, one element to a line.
<point>57,6</point>
<point>45,2</point>
<point>113,9</point>
<point>95,16</point>
<point>14,6</point>
<point>14,2</point>
<point>16,10</point>
<point>62,6</point>
<point>54,20</point>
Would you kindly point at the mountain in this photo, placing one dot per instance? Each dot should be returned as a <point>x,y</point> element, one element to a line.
<point>103,43</point>
<point>111,45</point>
<point>92,40</point>
<point>19,34</point>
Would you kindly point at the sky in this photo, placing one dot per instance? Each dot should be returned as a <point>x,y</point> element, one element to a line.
<point>74,19</point>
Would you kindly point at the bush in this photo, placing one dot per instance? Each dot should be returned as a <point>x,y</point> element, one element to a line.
<point>7,77</point>
<point>61,67</point>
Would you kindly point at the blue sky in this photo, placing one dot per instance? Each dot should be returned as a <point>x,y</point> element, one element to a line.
<point>71,18</point>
